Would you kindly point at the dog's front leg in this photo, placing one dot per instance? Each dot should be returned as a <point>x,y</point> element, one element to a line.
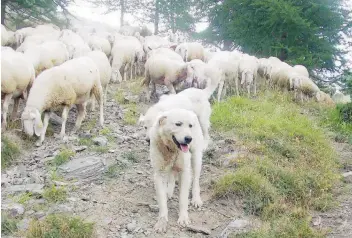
<point>160,182</point>
<point>185,184</point>
<point>197,168</point>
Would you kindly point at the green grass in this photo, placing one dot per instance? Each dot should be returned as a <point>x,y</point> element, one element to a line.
<point>63,157</point>
<point>24,197</point>
<point>130,156</point>
<point>58,226</point>
<point>292,164</point>
<point>10,150</point>
<point>8,225</point>
<point>55,194</point>
<point>131,115</point>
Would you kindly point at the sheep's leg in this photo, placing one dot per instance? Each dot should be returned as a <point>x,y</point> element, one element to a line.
<point>125,72</point>
<point>5,108</point>
<point>221,86</point>
<point>105,94</point>
<point>249,90</point>
<point>81,108</point>
<point>171,88</point>
<point>15,108</point>
<point>98,93</point>
<point>255,86</point>
<point>92,104</point>
<point>45,126</point>
<point>236,85</point>
<point>131,70</point>
<point>64,119</point>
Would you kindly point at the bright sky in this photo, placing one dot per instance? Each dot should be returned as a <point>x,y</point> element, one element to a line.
<point>83,9</point>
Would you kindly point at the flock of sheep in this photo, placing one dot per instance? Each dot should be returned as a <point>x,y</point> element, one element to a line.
<point>49,67</point>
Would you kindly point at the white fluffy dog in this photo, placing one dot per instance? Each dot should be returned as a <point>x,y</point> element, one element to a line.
<point>174,134</point>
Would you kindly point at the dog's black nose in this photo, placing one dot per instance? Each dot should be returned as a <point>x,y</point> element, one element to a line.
<point>148,140</point>
<point>188,139</point>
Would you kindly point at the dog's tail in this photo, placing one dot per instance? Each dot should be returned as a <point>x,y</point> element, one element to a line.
<point>213,79</point>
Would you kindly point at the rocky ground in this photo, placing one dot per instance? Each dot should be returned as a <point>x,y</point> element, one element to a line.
<point>109,181</point>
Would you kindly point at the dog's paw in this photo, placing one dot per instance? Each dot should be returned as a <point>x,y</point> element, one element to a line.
<point>196,202</point>
<point>161,225</point>
<point>183,220</point>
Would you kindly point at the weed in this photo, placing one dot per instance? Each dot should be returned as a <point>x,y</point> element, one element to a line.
<point>10,150</point>
<point>130,116</point>
<point>62,157</point>
<point>101,149</point>
<point>89,125</point>
<point>120,97</point>
<point>8,225</point>
<point>113,171</point>
<point>57,226</point>
<point>85,141</point>
<point>55,194</point>
<point>24,197</point>
<point>55,177</point>
<point>105,131</point>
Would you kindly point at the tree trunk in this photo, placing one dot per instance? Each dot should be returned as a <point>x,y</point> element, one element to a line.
<point>156,17</point>
<point>3,12</point>
<point>122,5</point>
<point>283,52</point>
<point>227,45</point>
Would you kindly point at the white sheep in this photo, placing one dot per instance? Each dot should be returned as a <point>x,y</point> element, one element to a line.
<point>16,73</point>
<point>309,88</point>
<point>99,43</point>
<point>264,69</point>
<point>73,82</point>
<point>340,98</point>
<point>102,61</point>
<point>300,69</point>
<point>163,70</point>
<point>33,40</point>
<point>229,71</point>
<point>190,51</point>
<point>47,55</point>
<point>21,34</point>
<point>7,37</point>
<point>166,52</point>
<point>76,46</point>
<point>247,69</point>
<point>154,42</point>
<point>324,98</point>
<point>126,51</point>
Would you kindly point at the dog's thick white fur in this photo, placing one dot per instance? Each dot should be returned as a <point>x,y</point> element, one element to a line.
<point>176,141</point>
<point>196,100</point>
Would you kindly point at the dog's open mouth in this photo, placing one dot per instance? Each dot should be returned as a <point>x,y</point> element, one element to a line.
<point>182,147</point>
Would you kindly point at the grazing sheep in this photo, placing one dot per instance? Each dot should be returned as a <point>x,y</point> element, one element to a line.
<point>47,55</point>
<point>247,69</point>
<point>74,43</point>
<point>21,34</point>
<point>167,52</point>
<point>163,70</point>
<point>190,51</point>
<point>264,69</point>
<point>73,82</point>
<point>126,51</point>
<point>104,68</point>
<point>300,69</point>
<point>16,74</point>
<point>154,42</point>
<point>34,40</point>
<point>309,88</point>
<point>99,43</point>
<point>324,98</point>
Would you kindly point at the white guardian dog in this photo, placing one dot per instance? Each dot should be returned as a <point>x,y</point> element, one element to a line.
<point>175,137</point>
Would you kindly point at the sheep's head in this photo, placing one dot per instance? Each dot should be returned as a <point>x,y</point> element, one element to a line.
<point>182,50</point>
<point>31,121</point>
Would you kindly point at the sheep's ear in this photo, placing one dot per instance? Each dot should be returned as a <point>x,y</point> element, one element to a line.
<point>149,48</point>
<point>38,125</point>
<point>162,120</point>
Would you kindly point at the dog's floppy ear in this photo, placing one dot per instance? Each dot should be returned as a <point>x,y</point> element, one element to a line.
<point>162,120</point>
<point>38,125</point>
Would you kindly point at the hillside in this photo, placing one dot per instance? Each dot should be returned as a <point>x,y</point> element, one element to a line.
<point>273,170</point>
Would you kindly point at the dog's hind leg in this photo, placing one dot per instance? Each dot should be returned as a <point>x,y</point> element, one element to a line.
<point>197,168</point>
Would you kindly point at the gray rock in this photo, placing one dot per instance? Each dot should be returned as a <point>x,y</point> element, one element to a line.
<point>23,224</point>
<point>153,208</point>
<point>39,214</point>
<point>13,209</point>
<point>33,188</point>
<point>80,148</point>
<point>347,177</point>
<point>101,141</point>
<point>131,226</point>
<point>86,169</point>
<point>237,226</point>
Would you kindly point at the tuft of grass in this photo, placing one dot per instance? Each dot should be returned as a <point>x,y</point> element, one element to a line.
<point>10,150</point>
<point>130,156</point>
<point>63,157</point>
<point>57,226</point>
<point>120,97</point>
<point>8,225</point>
<point>85,141</point>
<point>131,115</point>
<point>113,170</point>
<point>105,131</point>
<point>89,125</point>
<point>55,194</point>
<point>24,197</point>
<point>293,163</point>
<point>101,149</point>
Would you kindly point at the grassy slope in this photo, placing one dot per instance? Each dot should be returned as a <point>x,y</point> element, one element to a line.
<point>292,168</point>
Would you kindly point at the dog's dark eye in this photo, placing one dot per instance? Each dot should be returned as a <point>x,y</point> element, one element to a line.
<point>178,124</point>
<point>190,125</point>
<point>145,128</point>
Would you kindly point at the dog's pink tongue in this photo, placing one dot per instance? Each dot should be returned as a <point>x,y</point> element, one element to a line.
<point>184,148</point>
